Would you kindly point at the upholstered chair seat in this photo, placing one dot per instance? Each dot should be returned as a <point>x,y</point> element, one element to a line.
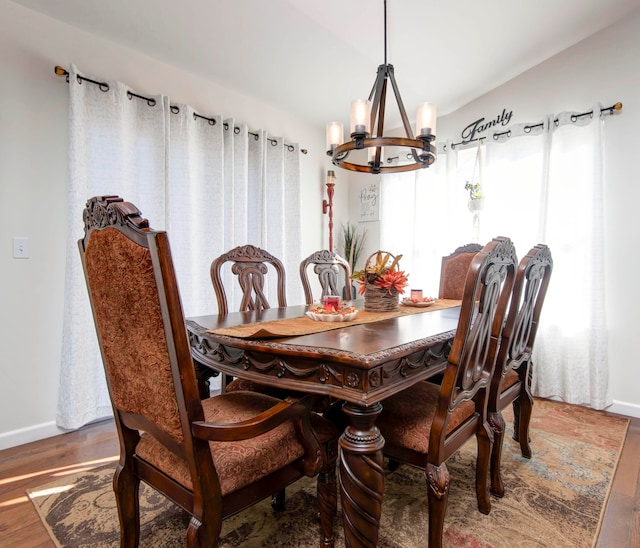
<point>407,417</point>
<point>243,462</point>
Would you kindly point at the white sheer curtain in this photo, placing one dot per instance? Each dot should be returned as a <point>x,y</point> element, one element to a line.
<point>424,215</point>
<point>211,183</point>
<point>543,183</point>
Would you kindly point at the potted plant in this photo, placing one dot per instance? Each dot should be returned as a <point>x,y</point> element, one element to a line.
<point>352,244</point>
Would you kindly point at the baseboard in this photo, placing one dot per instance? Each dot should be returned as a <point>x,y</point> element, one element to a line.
<point>29,434</point>
<point>624,408</point>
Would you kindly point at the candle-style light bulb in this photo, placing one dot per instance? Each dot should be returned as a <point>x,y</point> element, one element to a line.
<point>360,117</point>
<point>335,135</point>
<point>426,121</point>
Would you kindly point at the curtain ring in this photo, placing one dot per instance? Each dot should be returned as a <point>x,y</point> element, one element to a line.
<point>150,100</point>
<point>527,129</point>
<point>236,130</point>
<point>175,109</point>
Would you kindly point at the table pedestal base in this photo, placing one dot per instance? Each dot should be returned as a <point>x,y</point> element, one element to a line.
<point>361,475</point>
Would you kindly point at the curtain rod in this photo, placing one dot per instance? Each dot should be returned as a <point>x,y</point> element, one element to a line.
<point>528,128</point>
<point>60,71</point>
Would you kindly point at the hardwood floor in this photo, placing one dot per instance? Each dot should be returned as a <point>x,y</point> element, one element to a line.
<point>37,463</point>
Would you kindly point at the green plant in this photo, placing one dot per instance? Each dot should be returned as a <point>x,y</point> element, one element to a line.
<point>353,242</point>
<point>475,192</point>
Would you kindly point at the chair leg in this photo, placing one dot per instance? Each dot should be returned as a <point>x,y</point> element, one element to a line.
<point>328,501</point>
<point>437,494</point>
<point>393,465</point>
<point>484,439</point>
<point>126,487</point>
<point>497,424</point>
<point>278,501</point>
<point>525,410</point>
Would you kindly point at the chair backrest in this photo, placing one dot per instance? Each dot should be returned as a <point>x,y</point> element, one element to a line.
<point>250,266</point>
<point>473,351</point>
<point>454,271</point>
<point>141,331</point>
<point>520,328</point>
<point>327,265</point>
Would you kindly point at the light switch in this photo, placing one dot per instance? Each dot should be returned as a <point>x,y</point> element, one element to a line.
<point>20,247</point>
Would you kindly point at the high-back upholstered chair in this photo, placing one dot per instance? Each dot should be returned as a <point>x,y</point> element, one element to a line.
<point>454,271</point>
<point>425,424</point>
<point>326,265</point>
<point>213,457</point>
<point>511,382</point>
<point>250,265</point>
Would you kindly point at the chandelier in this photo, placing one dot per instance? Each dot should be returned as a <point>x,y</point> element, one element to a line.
<point>368,114</point>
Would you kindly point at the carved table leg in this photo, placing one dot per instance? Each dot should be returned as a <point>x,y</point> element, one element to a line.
<point>361,475</point>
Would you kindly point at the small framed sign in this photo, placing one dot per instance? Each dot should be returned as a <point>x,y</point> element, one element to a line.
<point>369,202</point>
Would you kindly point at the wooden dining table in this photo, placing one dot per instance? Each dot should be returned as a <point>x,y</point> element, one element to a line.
<point>359,364</point>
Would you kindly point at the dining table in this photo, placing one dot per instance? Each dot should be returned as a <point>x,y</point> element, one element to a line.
<point>359,363</point>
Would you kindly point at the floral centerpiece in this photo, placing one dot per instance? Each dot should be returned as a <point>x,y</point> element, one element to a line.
<point>381,282</point>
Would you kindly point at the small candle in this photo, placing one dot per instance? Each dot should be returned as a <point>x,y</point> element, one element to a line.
<point>416,294</point>
<point>331,302</point>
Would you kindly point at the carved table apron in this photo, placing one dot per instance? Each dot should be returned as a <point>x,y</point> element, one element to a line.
<point>360,365</point>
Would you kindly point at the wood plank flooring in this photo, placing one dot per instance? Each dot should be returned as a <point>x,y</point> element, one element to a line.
<point>37,463</point>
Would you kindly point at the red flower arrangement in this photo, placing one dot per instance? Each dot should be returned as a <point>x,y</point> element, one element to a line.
<point>382,274</point>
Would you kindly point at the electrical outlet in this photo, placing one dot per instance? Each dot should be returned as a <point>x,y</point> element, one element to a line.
<point>20,247</point>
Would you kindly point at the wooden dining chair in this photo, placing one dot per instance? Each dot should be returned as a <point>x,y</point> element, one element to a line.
<point>427,423</point>
<point>454,270</point>
<point>511,383</point>
<point>250,264</point>
<point>327,265</point>
<point>213,457</point>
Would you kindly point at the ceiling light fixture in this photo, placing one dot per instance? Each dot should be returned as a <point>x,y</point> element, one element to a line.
<point>367,114</point>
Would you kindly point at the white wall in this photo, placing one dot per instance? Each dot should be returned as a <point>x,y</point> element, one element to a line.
<point>33,178</point>
<point>605,69</point>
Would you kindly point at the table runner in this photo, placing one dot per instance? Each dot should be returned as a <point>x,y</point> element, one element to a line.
<point>303,325</point>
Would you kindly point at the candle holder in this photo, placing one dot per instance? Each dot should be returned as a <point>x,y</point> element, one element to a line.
<point>327,205</point>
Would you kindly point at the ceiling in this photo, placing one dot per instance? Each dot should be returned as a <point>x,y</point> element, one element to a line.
<point>312,57</point>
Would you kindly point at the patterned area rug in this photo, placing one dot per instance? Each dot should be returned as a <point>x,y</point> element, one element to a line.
<point>555,499</point>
